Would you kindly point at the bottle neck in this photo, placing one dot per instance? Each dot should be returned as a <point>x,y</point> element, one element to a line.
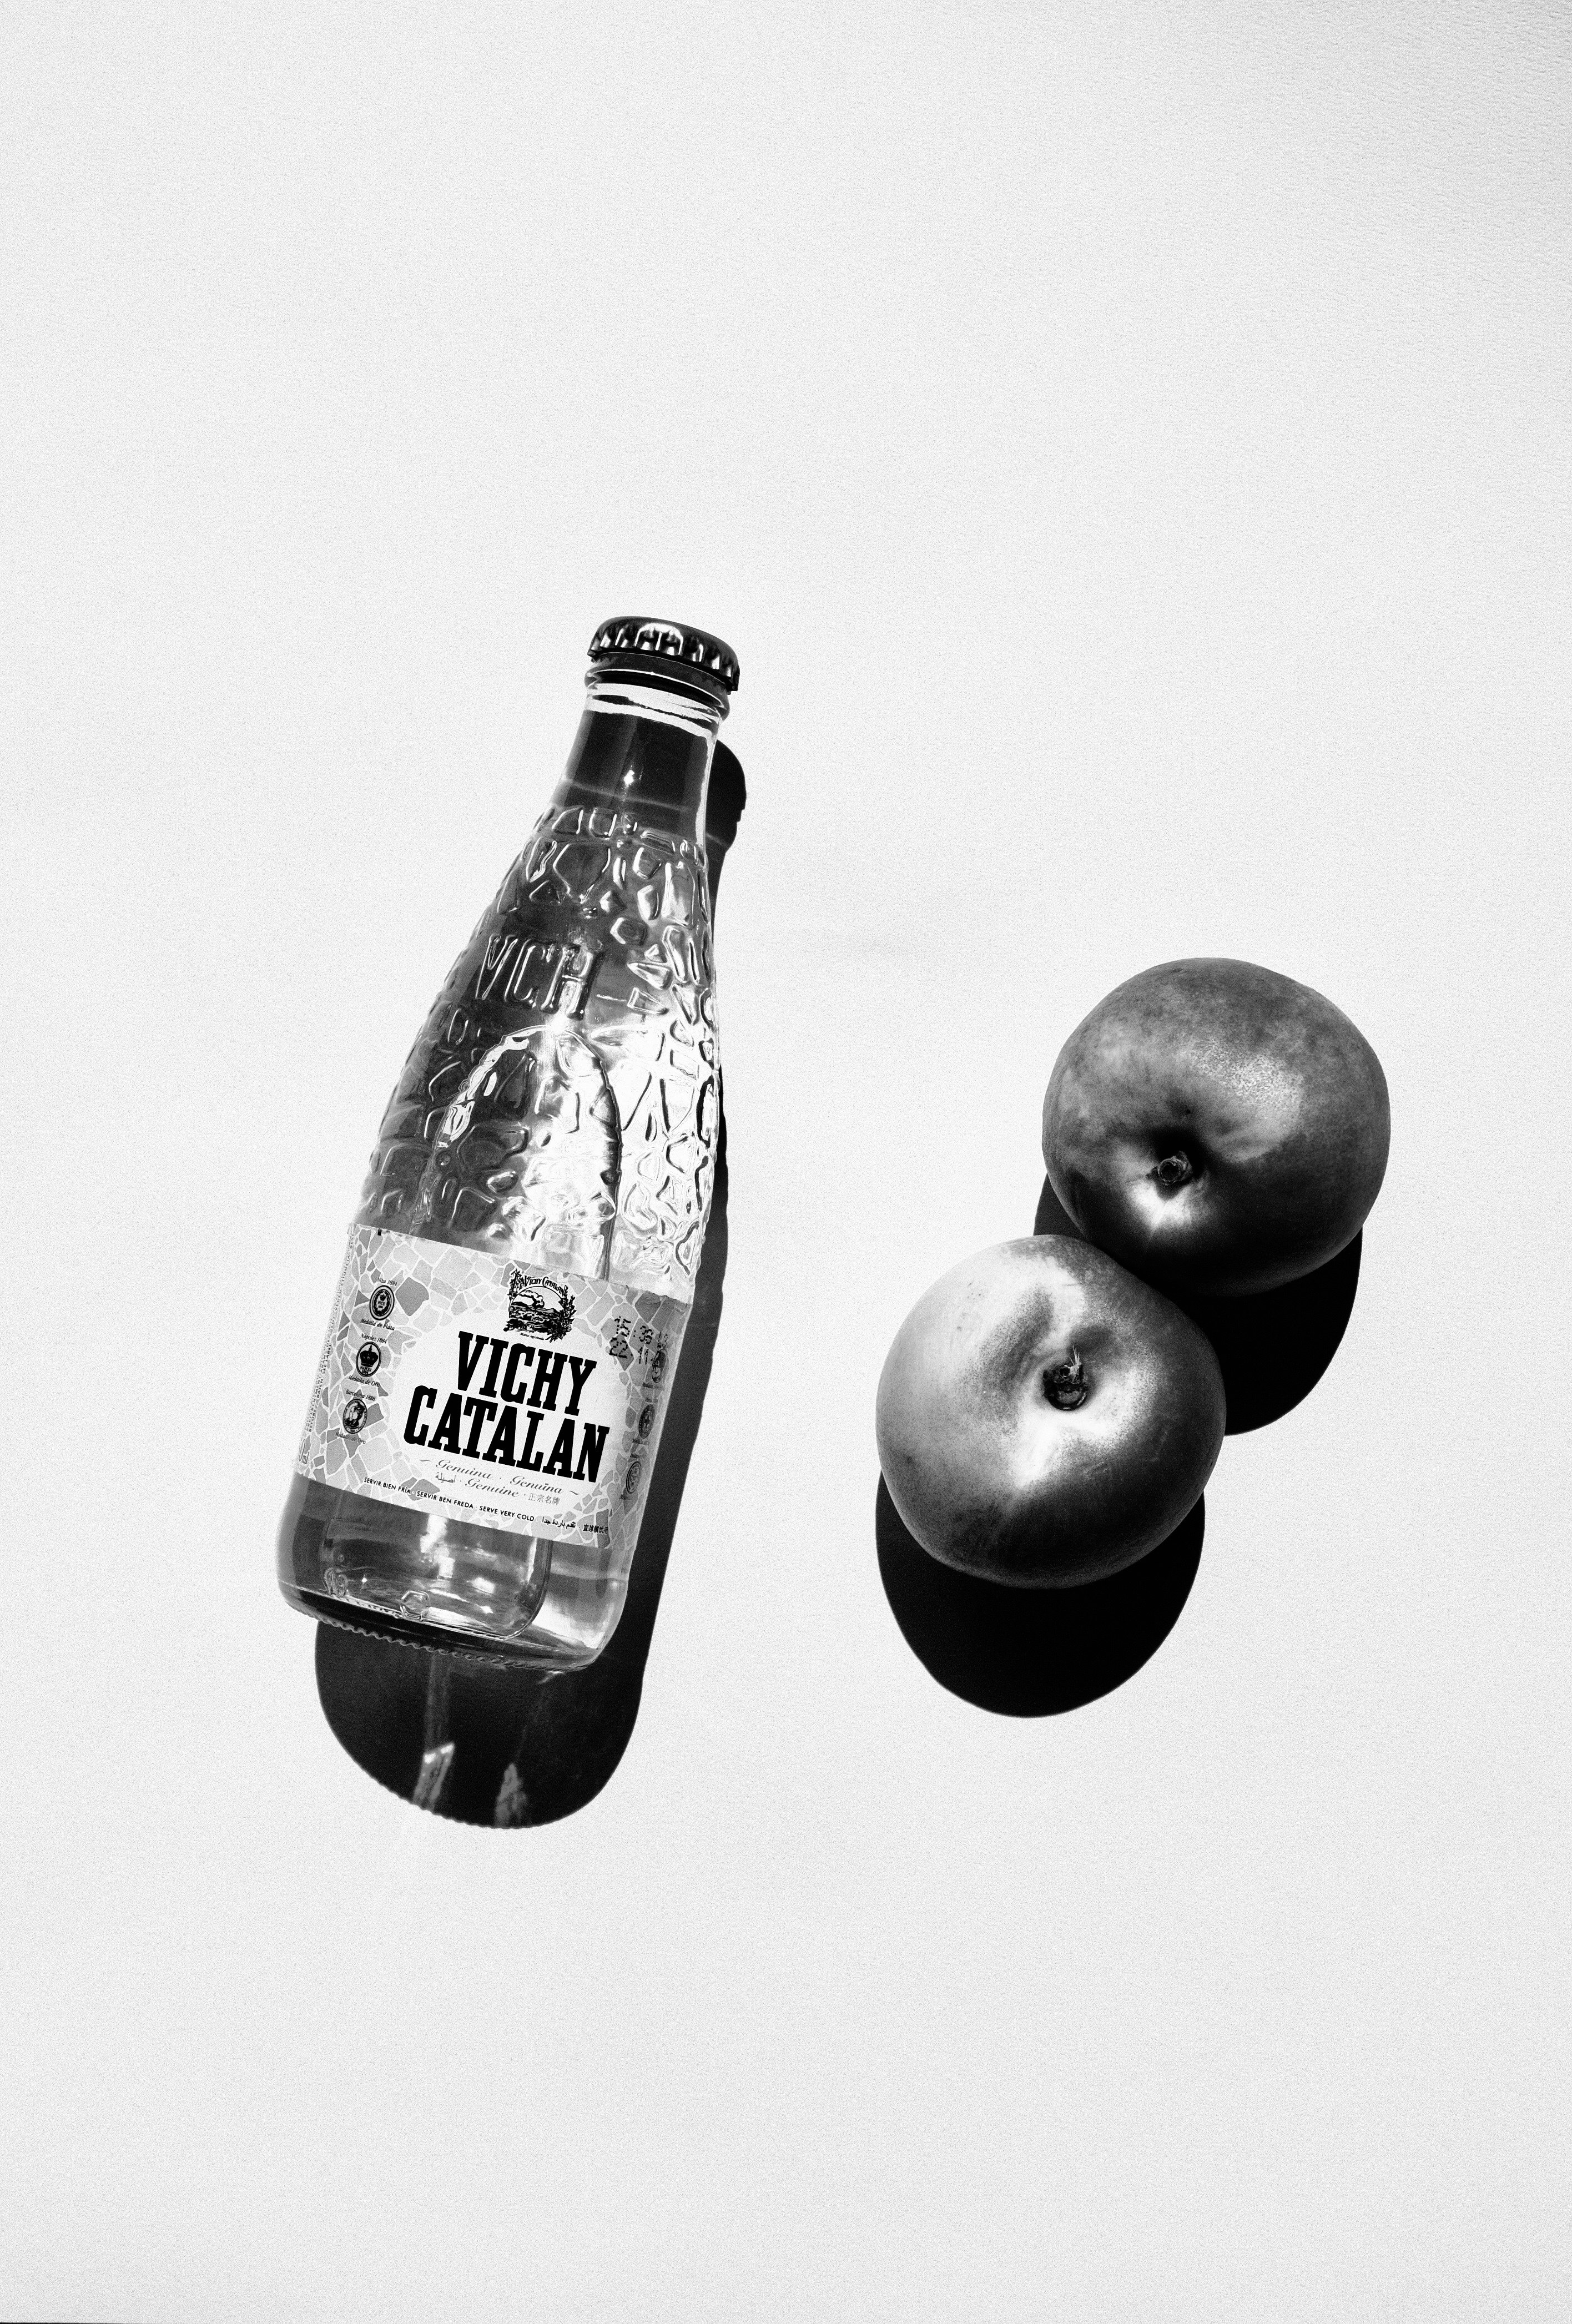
<point>644,750</point>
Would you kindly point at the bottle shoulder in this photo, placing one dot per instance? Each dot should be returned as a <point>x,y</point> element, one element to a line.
<point>591,971</point>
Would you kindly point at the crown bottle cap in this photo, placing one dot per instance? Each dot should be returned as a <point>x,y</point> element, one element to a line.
<point>634,641</point>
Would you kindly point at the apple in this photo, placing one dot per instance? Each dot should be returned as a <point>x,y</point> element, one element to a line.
<point>1218,1128</point>
<point>1044,1418</point>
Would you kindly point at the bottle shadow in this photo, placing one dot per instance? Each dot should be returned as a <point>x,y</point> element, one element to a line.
<point>1030,1653</point>
<point>1273,1346</point>
<point>507,1749</point>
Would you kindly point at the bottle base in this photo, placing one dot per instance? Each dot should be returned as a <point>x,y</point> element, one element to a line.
<point>417,1580</point>
<point>433,1637</point>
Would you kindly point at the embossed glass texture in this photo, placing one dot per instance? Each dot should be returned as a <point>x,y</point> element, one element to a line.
<point>560,1105</point>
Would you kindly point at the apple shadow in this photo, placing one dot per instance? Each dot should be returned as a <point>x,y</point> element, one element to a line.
<point>1273,1347</point>
<point>1028,1654</point>
<point>482,1743</point>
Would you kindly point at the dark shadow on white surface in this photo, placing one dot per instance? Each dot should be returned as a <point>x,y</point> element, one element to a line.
<point>1027,1654</point>
<point>483,1744</point>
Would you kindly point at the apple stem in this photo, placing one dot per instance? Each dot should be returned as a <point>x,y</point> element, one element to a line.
<point>1173,1170</point>
<point>1065,1384</point>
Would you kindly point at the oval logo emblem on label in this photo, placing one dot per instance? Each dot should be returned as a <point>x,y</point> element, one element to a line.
<point>538,1304</point>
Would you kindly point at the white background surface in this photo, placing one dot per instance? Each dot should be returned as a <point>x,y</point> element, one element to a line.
<point>1129,450</point>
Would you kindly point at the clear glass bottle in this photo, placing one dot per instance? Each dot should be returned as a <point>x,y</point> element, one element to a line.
<point>478,1449</point>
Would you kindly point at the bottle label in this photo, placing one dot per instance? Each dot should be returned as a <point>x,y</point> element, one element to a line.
<point>500,1391</point>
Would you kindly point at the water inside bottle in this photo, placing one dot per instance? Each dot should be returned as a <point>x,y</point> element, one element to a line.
<point>562,1106</point>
